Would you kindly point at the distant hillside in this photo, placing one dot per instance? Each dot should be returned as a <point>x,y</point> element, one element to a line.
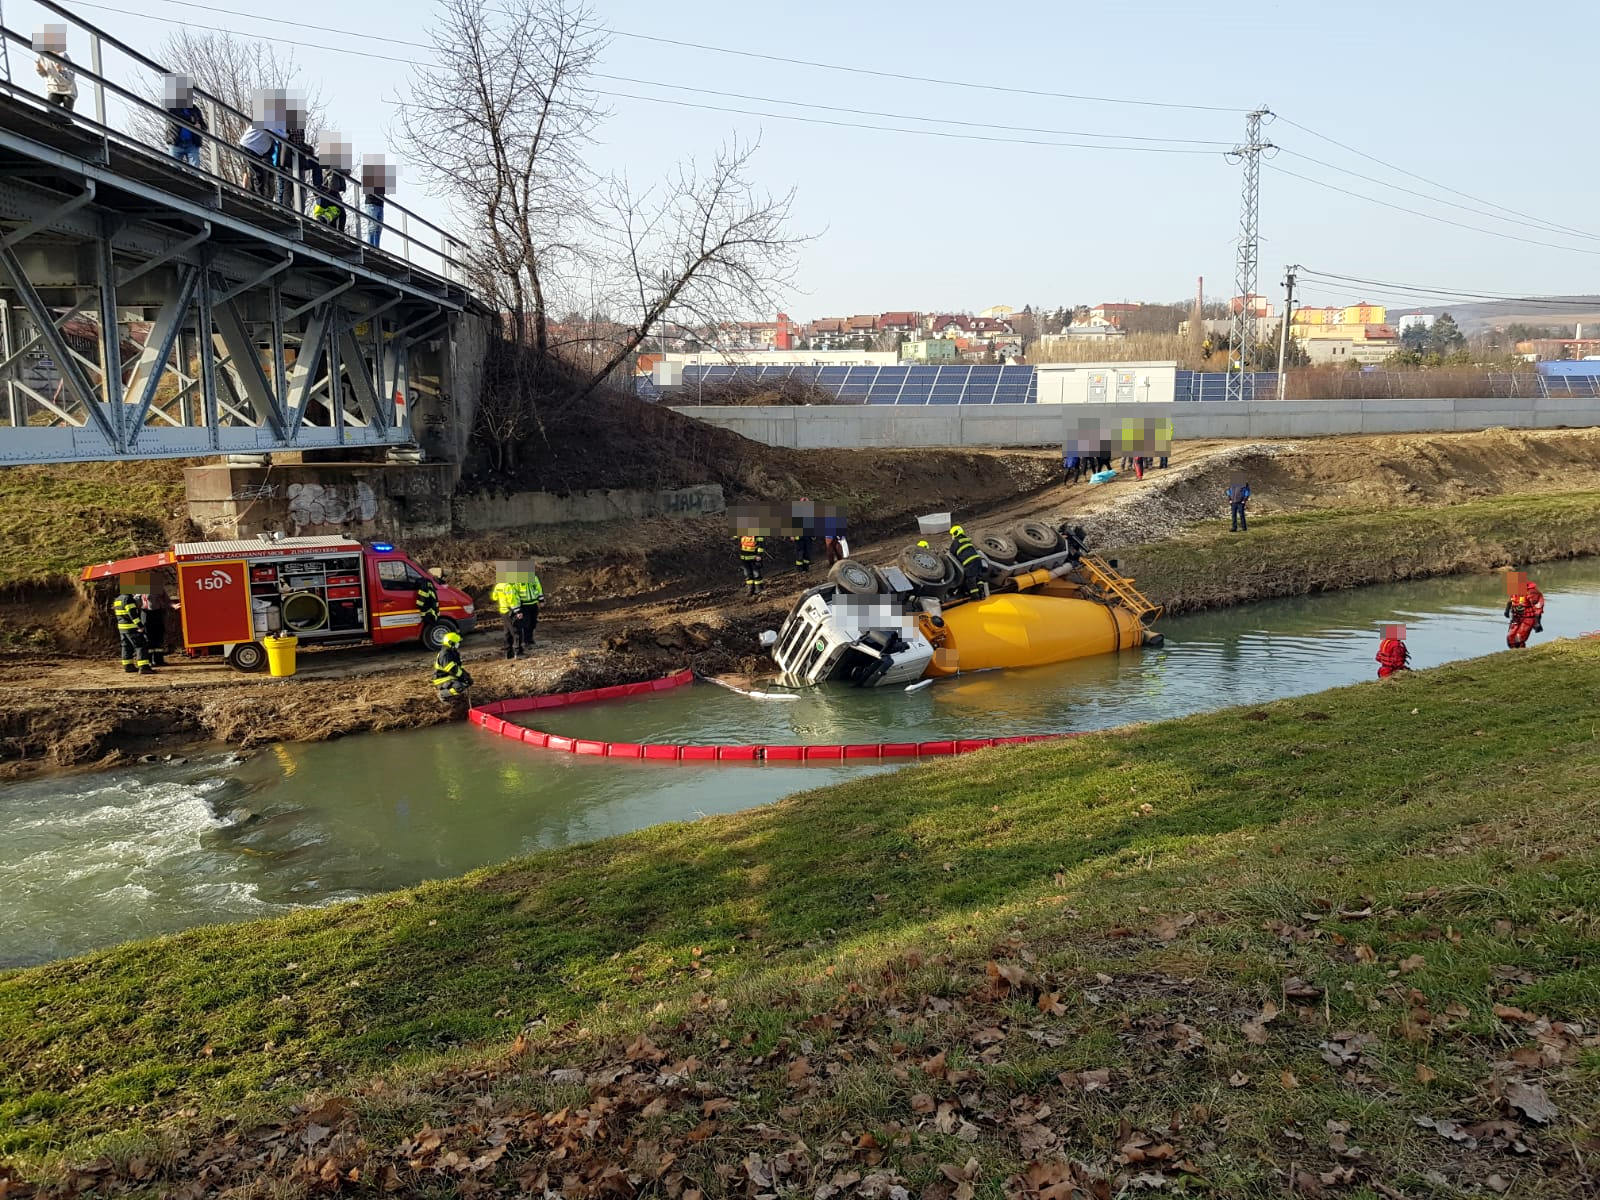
<point>1557,311</point>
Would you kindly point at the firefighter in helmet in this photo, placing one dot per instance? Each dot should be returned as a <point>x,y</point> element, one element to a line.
<point>130,631</point>
<point>751,547</point>
<point>450,678</point>
<point>965,553</point>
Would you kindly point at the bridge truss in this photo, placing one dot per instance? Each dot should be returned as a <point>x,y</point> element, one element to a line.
<point>148,310</point>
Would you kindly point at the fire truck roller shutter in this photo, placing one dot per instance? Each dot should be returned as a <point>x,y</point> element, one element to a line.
<point>305,612</point>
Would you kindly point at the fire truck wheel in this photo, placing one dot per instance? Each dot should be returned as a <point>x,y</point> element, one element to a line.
<point>1035,537</point>
<point>433,633</point>
<point>247,656</point>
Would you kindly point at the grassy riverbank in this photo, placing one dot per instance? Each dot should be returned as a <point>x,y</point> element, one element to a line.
<point>1300,553</point>
<point>1341,945</point>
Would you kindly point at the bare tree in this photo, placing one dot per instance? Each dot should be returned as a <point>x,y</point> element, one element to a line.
<point>228,68</point>
<point>707,245</point>
<point>501,125</point>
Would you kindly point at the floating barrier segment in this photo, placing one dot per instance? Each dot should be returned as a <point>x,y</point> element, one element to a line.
<point>492,717</point>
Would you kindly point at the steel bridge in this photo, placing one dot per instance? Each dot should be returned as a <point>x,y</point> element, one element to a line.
<point>150,309</point>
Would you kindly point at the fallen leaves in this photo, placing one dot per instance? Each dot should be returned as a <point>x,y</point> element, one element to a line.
<point>1255,1029</point>
<point>1531,1101</point>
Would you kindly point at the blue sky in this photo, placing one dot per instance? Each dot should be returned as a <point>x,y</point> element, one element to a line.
<point>1463,95</point>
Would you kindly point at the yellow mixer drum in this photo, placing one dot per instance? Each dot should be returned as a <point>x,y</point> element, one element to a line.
<point>1027,630</point>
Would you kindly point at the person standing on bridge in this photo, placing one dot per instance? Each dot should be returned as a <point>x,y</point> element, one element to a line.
<point>376,180</point>
<point>186,121</point>
<point>55,64</point>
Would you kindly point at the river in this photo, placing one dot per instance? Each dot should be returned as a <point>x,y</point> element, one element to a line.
<point>91,860</point>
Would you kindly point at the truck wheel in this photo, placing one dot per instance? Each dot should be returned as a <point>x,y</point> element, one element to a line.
<point>856,578</point>
<point>247,656</point>
<point>922,565</point>
<point>433,633</point>
<point>998,548</point>
<point>1035,538</point>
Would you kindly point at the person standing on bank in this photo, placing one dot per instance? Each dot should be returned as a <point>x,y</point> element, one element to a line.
<point>509,602</point>
<point>428,601</point>
<point>1238,498</point>
<point>153,606</point>
<point>530,594</point>
<point>135,650</point>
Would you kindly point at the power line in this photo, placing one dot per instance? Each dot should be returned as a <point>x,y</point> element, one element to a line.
<point>738,111</point>
<point>799,62</point>
<point>862,112</point>
<point>1429,216</point>
<point>987,87</point>
<point>1413,289</point>
<point>1542,226</point>
<point>1424,179</point>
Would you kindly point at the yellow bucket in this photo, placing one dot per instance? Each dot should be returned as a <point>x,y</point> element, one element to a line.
<point>280,655</point>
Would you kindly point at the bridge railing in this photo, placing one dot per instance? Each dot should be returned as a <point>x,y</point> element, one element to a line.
<point>127,83</point>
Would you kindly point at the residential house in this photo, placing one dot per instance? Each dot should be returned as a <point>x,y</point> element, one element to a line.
<point>930,350</point>
<point>950,325</point>
<point>1363,344</point>
<point>908,323</point>
<point>1001,311</point>
<point>1102,315</point>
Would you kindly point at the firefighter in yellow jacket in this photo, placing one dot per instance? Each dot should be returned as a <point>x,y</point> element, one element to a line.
<point>450,678</point>
<point>751,547</point>
<point>130,631</point>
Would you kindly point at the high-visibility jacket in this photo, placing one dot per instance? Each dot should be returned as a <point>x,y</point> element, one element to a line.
<point>750,547</point>
<point>529,593</point>
<point>126,609</point>
<point>965,552</point>
<point>428,600</point>
<point>505,595</point>
<point>447,666</point>
<point>1392,652</point>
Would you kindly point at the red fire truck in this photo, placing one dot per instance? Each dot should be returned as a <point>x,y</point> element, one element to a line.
<point>323,590</point>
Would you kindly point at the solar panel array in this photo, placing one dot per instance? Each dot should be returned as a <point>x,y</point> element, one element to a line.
<point>900,384</point>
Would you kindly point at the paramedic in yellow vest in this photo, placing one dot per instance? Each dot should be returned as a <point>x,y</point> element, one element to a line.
<point>130,629</point>
<point>529,595</point>
<point>751,547</point>
<point>509,602</point>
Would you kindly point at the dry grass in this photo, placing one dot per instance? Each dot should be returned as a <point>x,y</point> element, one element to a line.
<point>1341,383</point>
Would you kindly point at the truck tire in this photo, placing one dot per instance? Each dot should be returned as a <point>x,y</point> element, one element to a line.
<point>923,565</point>
<point>997,548</point>
<point>248,656</point>
<point>433,633</point>
<point>1035,538</point>
<point>856,578</point>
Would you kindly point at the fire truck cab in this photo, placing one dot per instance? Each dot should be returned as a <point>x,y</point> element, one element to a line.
<point>231,594</point>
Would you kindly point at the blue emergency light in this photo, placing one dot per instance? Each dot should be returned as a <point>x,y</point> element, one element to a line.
<point>383,547</point>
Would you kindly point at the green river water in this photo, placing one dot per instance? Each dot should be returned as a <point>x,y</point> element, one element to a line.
<point>90,860</point>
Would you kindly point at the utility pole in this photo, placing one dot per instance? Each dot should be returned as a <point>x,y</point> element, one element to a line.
<point>1283,328</point>
<point>1249,155</point>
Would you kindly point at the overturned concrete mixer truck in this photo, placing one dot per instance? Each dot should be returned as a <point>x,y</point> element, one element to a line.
<point>1039,597</point>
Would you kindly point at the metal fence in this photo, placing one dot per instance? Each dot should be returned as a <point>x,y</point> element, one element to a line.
<point>119,81</point>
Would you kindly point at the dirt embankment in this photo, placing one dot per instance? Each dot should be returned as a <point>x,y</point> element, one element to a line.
<point>635,599</point>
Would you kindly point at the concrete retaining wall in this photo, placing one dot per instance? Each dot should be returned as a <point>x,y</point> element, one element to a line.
<point>481,513</point>
<point>403,501</point>
<point>851,426</point>
<point>322,499</point>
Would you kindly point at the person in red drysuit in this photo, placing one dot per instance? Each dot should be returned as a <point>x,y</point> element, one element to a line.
<point>1526,613</point>
<point>1393,655</point>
